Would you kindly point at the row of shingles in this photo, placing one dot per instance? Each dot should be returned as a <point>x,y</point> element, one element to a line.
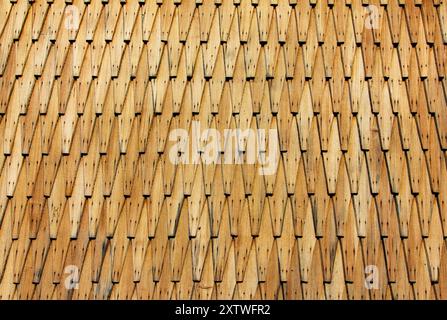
<point>115,191</point>
<point>19,31</point>
<point>423,184</point>
<point>371,210</point>
<point>200,239</point>
<point>321,197</point>
<point>196,278</point>
<point>436,102</point>
<point>267,222</point>
<point>321,255</point>
<point>324,227</point>
<point>275,230</point>
<point>323,206</point>
<point>13,25</point>
<point>321,272</point>
<point>197,275</point>
<point>8,71</point>
<point>391,258</point>
<point>47,206</point>
<point>109,121</point>
<point>390,228</point>
<point>79,207</point>
<point>98,142</point>
<point>259,63</point>
<point>234,184</point>
<point>41,214</point>
<point>388,251</point>
<point>158,186</point>
<point>199,208</point>
<point>162,187</point>
<point>263,262</point>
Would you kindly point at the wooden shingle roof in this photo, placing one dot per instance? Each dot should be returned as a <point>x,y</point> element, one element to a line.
<point>93,207</point>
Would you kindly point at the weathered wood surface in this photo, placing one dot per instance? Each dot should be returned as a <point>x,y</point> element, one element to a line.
<point>90,91</point>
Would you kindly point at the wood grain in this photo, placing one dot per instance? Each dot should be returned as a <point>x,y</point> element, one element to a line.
<point>92,207</point>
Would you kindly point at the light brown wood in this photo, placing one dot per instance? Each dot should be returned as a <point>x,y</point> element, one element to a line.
<point>348,98</point>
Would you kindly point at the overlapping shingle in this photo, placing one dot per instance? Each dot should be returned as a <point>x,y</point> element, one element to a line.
<point>92,206</point>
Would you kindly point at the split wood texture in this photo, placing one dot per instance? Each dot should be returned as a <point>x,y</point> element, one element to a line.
<point>92,208</point>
